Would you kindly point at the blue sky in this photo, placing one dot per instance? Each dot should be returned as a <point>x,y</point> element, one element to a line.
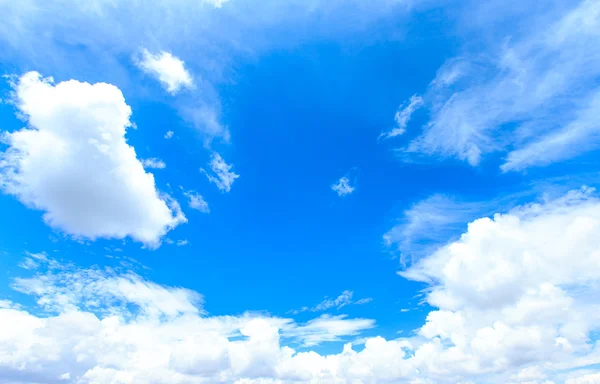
<point>307,192</point>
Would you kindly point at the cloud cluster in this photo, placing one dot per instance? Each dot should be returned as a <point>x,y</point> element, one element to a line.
<point>73,162</point>
<point>517,291</point>
<point>112,325</point>
<point>515,300</point>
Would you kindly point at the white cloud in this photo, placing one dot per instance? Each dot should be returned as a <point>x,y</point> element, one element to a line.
<point>345,298</point>
<point>327,328</point>
<point>153,163</point>
<point>593,378</point>
<point>342,187</point>
<point>206,118</point>
<point>181,243</point>
<point>222,176</point>
<point>535,96</point>
<point>196,201</point>
<point>168,69</point>
<point>169,134</point>
<point>403,116</point>
<point>77,130</point>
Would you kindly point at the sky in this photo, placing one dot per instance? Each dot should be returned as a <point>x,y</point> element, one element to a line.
<point>341,191</point>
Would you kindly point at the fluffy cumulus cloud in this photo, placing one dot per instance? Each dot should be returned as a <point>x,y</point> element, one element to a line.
<point>168,69</point>
<point>517,291</point>
<point>342,187</point>
<point>535,97</point>
<point>221,174</point>
<point>76,130</point>
<point>515,301</point>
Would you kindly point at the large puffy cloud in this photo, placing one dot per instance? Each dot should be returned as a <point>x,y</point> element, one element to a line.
<point>516,301</point>
<point>516,290</point>
<point>74,163</point>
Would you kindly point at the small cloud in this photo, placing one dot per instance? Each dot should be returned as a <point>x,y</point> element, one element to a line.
<point>403,310</point>
<point>169,134</point>
<point>343,187</point>
<point>345,298</point>
<point>169,241</point>
<point>168,69</point>
<point>154,163</point>
<point>402,117</point>
<point>327,329</point>
<point>196,201</point>
<point>181,243</point>
<point>222,176</point>
<point>65,376</point>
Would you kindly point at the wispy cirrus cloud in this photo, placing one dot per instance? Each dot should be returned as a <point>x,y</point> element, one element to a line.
<point>534,97</point>
<point>221,174</point>
<point>345,298</point>
<point>196,201</point>
<point>430,223</point>
<point>402,117</point>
